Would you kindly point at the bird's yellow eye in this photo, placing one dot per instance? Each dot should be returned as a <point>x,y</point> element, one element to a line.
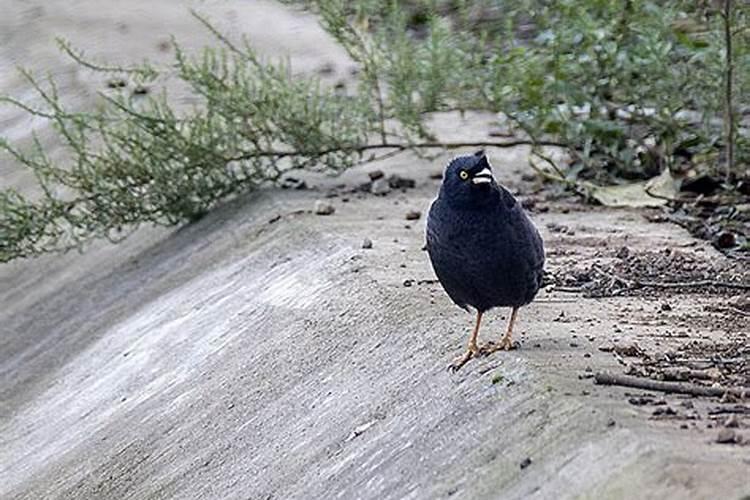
<point>463,174</point>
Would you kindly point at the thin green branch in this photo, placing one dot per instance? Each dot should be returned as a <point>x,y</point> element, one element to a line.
<point>145,70</point>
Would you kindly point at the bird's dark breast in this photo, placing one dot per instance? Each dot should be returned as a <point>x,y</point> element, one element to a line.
<point>485,259</point>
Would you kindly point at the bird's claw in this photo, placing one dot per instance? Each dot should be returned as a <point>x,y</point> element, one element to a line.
<point>459,362</point>
<point>505,344</point>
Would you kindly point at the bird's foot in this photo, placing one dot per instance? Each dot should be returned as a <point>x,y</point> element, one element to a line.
<point>471,352</point>
<point>505,344</point>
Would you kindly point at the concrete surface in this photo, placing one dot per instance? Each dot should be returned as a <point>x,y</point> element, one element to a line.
<point>243,358</point>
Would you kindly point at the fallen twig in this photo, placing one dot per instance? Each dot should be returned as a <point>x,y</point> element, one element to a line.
<point>604,378</point>
<point>740,409</point>
<point>693,284</point>
<point>673,284</point>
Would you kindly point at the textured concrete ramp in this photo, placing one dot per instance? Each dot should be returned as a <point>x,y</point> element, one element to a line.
<point>262,353</point>
<point>239,358</point>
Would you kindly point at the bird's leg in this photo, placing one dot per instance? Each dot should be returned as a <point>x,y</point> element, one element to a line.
<point>471,350</point>
<point>506,342</point>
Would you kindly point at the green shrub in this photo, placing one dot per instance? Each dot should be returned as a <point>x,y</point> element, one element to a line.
<point>627,87</point>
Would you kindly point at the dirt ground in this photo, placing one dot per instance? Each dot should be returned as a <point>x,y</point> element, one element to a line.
<point>263,353</point>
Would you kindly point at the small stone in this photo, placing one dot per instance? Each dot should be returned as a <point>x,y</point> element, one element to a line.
<point>413,215</point>
<point>629,349</point>
<point>327,68</point>
<point>726,239</point>
<point>726,436</point>
<point>408,283</point>
<point>525,462</point>
<point>623,253</point>
<point>554,227</point>
<point>666,410</point>
<point>116,83</point>
<point>611,422</point>
<point>140,90</point>
<point>397,182</point>
<point>295,183</point>
<point>528,203</point>
<point>666,307</point>
<point>323,208</point>
<point>164,46</point>
<point>367,243</point>
<point>640,401</point>
<point>380,187</point>
<point>375,175</point>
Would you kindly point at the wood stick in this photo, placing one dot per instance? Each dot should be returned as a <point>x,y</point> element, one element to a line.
<point>604,378</point>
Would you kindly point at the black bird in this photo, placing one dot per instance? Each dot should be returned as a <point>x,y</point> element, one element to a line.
<point>484,249</point>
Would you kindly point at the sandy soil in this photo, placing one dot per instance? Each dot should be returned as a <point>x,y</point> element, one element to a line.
<point>263,353</point>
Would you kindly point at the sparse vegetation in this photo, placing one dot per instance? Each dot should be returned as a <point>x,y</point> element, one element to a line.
<point>628,88</point>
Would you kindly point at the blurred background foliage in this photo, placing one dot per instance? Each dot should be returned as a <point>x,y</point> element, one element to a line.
<point>632,90</point>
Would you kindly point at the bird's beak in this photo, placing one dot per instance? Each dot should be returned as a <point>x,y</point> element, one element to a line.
<point>484,176</point>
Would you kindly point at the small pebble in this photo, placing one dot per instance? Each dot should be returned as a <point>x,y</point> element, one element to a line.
<point>375,175</point>
<point>380,187</point>
<point>116,83</point>
<point>397,182</point>
<point>367,243</point>
<point>408,283</point>
<point>726,240</point>
<point>327,68</point>
<point>294,183</point>
<point>726,436</point>
<point>323,208</point>
<point>413,215</point>
<point>629,349</point>
<point>525,462</point>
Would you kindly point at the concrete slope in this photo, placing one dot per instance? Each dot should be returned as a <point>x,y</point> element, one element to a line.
<point>242,358</point>
<point>262,353</point>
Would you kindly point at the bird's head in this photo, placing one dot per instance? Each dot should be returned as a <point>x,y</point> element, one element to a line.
<point>468,181</point>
